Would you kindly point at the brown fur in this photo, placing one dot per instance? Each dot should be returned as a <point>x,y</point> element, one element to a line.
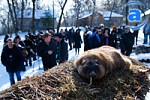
<point>98,62</point>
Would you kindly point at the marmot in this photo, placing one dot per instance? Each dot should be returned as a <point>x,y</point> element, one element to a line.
<point>97,63</point>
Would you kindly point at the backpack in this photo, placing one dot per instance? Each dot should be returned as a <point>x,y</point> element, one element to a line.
<point>94,42</point>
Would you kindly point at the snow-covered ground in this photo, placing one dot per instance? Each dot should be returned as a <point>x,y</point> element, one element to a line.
<point>38,67</point>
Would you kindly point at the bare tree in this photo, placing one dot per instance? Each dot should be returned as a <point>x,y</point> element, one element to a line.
<point>93,12</point>
<point>127,9</point>
<point>22,14</point>
<point>15,15</point>
<point>62,11</point>
<point>111,13</point>
<point>83,6</point>
<point>11,14</point>
<point>33,17</point>
<point>77,9</point>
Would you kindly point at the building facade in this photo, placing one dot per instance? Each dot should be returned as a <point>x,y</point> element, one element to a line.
<point>106,17</point>
<point>43,20</point>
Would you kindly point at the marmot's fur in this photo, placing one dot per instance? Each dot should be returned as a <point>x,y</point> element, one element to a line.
<point>98,62</point>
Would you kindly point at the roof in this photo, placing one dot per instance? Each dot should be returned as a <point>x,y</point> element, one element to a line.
<point>106,14</point>
<point>85,15</point>
<point>38,13</point>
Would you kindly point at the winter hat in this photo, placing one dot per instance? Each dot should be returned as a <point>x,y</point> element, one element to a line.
<point>58,35</point>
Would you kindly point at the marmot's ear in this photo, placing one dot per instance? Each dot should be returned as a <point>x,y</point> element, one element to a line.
<point>78,61</point>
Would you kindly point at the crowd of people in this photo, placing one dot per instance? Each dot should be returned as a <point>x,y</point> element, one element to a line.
<point>117,38</point>
<point>53,47</point>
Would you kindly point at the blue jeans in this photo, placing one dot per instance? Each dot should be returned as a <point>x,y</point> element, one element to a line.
<point>11,76</point>
<point>145,38</point>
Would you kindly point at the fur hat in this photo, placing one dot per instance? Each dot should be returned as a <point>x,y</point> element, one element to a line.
<point>58,35</point>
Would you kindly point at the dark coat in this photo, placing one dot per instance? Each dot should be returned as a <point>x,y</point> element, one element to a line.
<point>77,40</point>
<point>12,59</point>
<point>29,47</point>
<point>126,43</point>
<point>146,29</point>
<point>62,51</point>
<point>42,50</point>
<point>94,40</point>
<point>113,39</point>
<point>102,38</point>
<point>70,35</point>
<point>86,41</point>
<point>127,39</point>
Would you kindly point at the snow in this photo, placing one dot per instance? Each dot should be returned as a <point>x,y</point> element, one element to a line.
<point>146,13</point>
<point>35,69</point>
<point>38,68</point>
<point>85,15</point>
<point>106,14</point>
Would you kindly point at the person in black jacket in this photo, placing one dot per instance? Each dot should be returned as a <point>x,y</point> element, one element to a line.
<point>77,41</point>
<point>11,58</point>
<point>113,37</point>
<point>62,49</point>
<point>107,36</point>
<point>126,42</point>
<point>86,35</point>
<point>47,50</point>
<point>29,47</point>
<point>21,45</point>
<point>70,37</point>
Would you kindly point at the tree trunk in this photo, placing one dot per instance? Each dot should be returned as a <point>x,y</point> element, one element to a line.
<point>33,17</point>
<point>77,19</point>
<point>127,9</point>
<point>22,15</point>
<point>110,22</point>
<point>78,6</point>
<point>15,15</point>
<point>64,20</point>
<point>62,10</point>
<point>8,24</point>
<point>93,13</point>
<point>11,14</point>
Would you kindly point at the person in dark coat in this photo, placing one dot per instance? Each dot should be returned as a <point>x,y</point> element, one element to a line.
<point>70,37</point>
<point>77,41</point>
<point>113,37</point>
<point>146,32</point>
<point>136,32</point>
<point>40,38</point>
<point>29,47</point>
<point>86,35</point>
<point>11,58</point>
<point>21,45</point>
<point>126,42</point>
<point>101,36</point>
<point>62,49</point>
<point>107,36</point>
<point>47,50</point>
<point>5,39</point>
<point>94,39</point>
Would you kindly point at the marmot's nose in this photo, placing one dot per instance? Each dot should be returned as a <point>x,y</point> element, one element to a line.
<point>92,74</point>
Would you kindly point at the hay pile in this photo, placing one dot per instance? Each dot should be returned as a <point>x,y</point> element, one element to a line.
<point>64,83</point>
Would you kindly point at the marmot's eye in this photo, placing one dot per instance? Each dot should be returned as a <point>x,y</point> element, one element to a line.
<point>96,60</point>
<point>83,61</point>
